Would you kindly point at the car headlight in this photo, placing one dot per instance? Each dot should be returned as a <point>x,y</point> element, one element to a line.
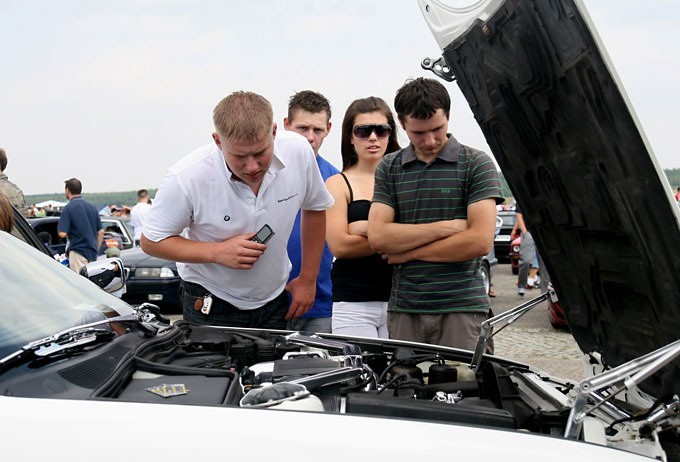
<point>149,273</point>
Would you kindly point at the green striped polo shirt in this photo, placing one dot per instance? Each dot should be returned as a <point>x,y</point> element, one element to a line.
<point>423,193</point>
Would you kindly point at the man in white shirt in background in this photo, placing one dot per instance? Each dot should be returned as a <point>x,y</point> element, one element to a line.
<point>138,213</point>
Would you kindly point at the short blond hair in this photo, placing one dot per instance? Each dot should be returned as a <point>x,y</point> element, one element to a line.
<point>243,116</point>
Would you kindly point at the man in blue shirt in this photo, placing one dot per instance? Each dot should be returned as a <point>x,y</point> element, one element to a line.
<point>309,114</point>
<point>80,222</point>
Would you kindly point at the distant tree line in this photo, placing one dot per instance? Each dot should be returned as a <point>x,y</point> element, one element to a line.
<point>99,199</point>
<point>673,175</point>
<point>130,197</point>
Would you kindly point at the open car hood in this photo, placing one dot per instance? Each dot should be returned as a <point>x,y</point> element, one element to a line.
<point>565,135</point>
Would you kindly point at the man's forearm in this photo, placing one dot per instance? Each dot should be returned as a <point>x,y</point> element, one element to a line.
<point>100,238</point>
<point>472,242</point>
<point>177,248</point>
<point>460,247</point>
<point>400,237</point>
<point>313,236</point>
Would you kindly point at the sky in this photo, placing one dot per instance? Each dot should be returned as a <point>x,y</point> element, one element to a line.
<point>114,92</point>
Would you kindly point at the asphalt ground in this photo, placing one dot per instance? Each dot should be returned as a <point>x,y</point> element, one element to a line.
<point>531,339</point>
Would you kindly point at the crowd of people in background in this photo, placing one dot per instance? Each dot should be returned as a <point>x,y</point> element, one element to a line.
<point>388,247</point>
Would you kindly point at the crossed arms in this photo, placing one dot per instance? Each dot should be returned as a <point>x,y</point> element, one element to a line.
<point>441,241</point>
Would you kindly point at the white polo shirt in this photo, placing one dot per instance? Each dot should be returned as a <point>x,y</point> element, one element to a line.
<point>138,217</point>
<point>199,199</point>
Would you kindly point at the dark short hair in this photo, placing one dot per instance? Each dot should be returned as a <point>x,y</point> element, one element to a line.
<point>420,98</point>
<point>364,106</point>
<point>142,193</point>
<point>74,185</point>
<point>310,101</point>
<point>3,159</point>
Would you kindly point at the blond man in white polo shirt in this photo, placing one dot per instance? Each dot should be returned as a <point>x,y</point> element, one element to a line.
<point>213,201</point>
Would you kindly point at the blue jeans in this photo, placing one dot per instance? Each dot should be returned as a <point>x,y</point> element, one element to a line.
<point>270,315</point>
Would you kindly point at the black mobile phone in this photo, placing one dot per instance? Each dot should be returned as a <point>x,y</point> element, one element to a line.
<point>263,235</point>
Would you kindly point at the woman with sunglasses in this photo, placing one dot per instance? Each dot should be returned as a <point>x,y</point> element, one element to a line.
<point>361,278</point>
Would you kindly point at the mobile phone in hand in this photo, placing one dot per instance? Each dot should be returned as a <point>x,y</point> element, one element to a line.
<point>263,235</point>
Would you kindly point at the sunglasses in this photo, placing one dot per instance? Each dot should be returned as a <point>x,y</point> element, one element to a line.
<point>364,131</point>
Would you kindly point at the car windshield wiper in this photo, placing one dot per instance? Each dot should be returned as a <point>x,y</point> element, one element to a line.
<point>75,338</point>
<point>71,338</point>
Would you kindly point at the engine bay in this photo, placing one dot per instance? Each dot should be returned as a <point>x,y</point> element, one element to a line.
<point>308,372</point>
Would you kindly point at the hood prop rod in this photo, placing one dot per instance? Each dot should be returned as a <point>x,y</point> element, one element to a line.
<point>508,318</point>
<point>621,378</point>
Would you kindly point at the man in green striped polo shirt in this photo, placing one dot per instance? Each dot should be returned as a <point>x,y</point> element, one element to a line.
<point>433,216</point>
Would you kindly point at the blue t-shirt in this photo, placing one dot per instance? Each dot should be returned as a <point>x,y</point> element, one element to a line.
<point>81,222</point>
<point>323,304</point>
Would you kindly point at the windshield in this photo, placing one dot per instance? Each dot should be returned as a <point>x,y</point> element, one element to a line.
<point>508,219</point>
<point>128,226</point>
<point>41,296</point>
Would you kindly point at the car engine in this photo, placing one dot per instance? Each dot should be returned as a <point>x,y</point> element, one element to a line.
<point>325,373</point>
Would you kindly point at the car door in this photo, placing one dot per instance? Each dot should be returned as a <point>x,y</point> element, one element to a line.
<point>22,230</point>
<point>47,233</point>
<point>117,227</point>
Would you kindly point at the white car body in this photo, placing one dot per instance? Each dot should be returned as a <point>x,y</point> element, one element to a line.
<point>52,429</point>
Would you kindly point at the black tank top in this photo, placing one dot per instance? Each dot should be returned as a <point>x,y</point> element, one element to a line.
<point>363,279</point>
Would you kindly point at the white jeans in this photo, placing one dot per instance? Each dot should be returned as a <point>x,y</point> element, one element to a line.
<point>364,319</point>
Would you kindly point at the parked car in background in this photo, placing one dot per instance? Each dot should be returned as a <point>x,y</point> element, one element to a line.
<point>151,279</point>
<point>501,243</point>
<point>46,228</point>
<point>485,268</point>
<point>23,231</point>
<point>556,315</point>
